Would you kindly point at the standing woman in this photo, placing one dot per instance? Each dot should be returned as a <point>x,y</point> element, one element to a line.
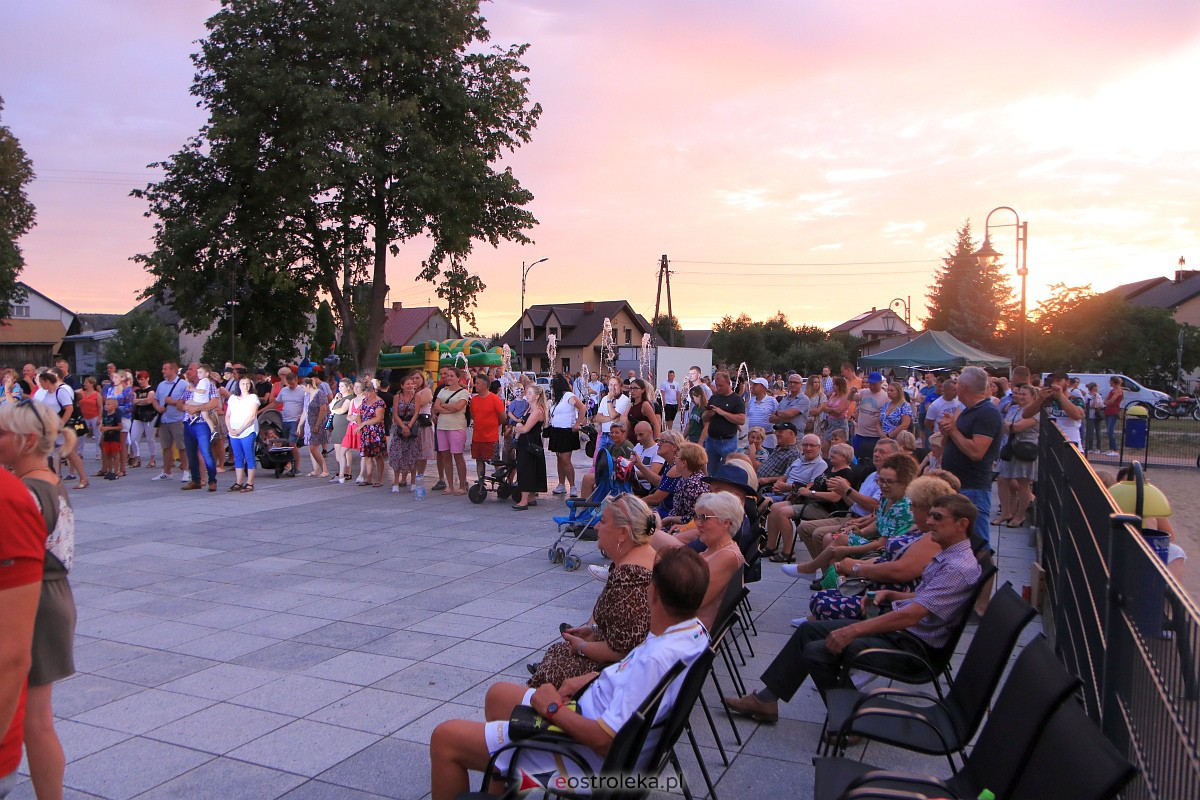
<point>425,434</point>
<point>61,400</point>
<point>339,408</point>
<point>142,426</point>
<point>897,415</point>
<point>531,456</point>
<point>373,433</point>
<point>697,428</point>
<point>815,393</point>
<point>404,446</point>
<point>241,420</point>
<point>29,434</point>
<point>89,407</point>
<point>316,412</point>
<point>641,407</point>
<point>837,412</point>
<point>566,417</point>
<point>1017,475</point>
<point>1112,409</point>
<point>352,441</point>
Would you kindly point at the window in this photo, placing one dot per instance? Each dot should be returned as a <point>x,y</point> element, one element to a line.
<point>554,332</point>
<point>527,334</point>
<point>628,336</point>
<point>20,311</point>
<point>566,365</point>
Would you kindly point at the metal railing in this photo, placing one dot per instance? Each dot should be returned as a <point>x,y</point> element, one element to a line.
<point>1121,623</point>
<point>1171,442</point>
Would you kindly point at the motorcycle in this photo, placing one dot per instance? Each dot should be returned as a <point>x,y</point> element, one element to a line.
<point>1183,406</point>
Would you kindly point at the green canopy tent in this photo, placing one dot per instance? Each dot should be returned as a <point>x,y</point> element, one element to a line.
<point>932,350</point>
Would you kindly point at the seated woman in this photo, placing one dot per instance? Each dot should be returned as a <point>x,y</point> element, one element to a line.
<point>815,502</point>
<point>590,717</point>
<point>621,617</point>
<point>719,518</point>
<point>899,565</point>
<point>754,444</point>
<point>690,469</point>
<point>893,517</point>
<point>663,498</point>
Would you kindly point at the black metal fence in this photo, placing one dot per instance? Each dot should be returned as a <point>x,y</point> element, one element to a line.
<point>1122,624</point>
<point>1170,442</point>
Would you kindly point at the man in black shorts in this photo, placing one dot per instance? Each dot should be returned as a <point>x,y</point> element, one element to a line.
<point>669,391</point>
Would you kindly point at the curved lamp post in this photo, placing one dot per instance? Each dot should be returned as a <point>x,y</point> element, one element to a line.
<point>988,255</point>
<point>521,324</point>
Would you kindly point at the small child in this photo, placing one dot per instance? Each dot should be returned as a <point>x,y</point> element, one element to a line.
<point>110,438</point>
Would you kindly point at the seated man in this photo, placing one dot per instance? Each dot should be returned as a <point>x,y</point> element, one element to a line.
<point>786,451</point>
<point>861,491</point>
<point>919,622</point>
<point>678,585</point>
<point>802,472</point>
<point>619,448</point>
<point>647,463</point>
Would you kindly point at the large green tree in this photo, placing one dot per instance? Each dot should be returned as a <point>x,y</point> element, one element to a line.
<point>16,215</point>
<point>1078,330</point>
<point>337,130</point>
<point>143,341</point>
<point>973,302</point>
<point>667,327</point>
<point>775,345</point>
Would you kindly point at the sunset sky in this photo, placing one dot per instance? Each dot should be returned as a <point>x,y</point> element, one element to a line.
<point>809,157</point>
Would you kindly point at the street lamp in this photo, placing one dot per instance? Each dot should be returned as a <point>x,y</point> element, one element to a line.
<point>521,324</point>
<point>901,302</point>
<point>987,255</point>
<point>233,304</point>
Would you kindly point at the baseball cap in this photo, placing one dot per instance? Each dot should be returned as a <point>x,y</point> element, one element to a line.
<point>786,426</point>
<point>760,381</point>
<point>875,377</point>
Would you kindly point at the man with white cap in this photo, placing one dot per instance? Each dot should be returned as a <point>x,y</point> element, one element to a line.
<point>868,426</point>
<point>759,410</point>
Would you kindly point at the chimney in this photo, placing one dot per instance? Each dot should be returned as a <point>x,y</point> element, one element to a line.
<point>397,306</point>
<point>589,307</point>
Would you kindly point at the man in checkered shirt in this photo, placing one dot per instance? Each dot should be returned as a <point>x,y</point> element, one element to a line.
<point>918,623</point>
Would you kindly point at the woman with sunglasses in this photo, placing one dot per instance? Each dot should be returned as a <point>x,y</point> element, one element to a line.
<point>28,432</point>
<point>718,519</point>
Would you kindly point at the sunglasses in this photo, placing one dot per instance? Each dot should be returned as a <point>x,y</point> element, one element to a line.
<point>938,516</point>
<point>702,518</point>
<point>28,401</point>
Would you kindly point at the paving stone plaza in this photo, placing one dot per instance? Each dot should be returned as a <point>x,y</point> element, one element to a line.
<point>304,640</point>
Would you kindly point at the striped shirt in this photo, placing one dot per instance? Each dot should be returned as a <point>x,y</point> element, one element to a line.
<point>946,586</point>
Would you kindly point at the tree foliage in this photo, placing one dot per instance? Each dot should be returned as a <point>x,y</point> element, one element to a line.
<point>460,289</point>
<point>669,329</point>
<point>1079,331</point>
<point>17,215</point>
<point>775,346</point>
<point>143,341</point>
<point>324,337</point>
<point>337,131</point>
<point>973,302</point>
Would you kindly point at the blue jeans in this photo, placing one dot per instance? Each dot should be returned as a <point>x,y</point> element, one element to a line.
<point>717,449</point>
<point>243,451</point>
<point>1111,422</point>
<point>197,442</point>
<point>289,430</point>
<point>982,498</point>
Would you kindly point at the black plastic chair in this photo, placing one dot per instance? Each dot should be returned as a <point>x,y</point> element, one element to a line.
<point>936,727</point>
<point>621,760</point>
<point>925,670</point>
<point>1037,686</point>
<point>680,721</point>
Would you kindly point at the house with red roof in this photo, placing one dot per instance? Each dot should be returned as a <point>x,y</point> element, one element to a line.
<point>408,326</point>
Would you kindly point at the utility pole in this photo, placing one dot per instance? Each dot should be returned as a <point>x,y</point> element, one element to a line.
<point>664,275</point>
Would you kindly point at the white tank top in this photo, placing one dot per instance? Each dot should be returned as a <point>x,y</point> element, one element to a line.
<point>564,413</point>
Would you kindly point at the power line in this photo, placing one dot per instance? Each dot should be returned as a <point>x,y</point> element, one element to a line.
<point>805,263</point>
<point>809,274</point>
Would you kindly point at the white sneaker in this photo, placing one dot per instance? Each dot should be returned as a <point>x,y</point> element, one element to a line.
<point>798,621</point>
<point>574,494</point>
<point>793,572</point>
<point>162,476</point>
<point>560,489</point>
<point>341,479</point>
<point>395,489</point>
<point>599,573</point>
<point>186,477</point>
<point>1112,453</point>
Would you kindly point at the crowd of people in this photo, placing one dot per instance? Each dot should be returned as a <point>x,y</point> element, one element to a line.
<point>883,482</point>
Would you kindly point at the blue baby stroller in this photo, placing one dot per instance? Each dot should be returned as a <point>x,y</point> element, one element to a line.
<point>579,525</point>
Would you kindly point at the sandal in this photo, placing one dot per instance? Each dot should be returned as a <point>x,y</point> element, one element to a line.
<point>782,558</point>
<point>376,485</point>
<point>237,487</point>
<point>249,487</point>
<point>83,485</point>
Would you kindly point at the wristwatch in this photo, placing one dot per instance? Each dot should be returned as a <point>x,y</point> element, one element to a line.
<point>552,709</point>
<point>855,568</point>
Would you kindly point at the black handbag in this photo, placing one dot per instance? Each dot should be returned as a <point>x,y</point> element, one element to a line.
<point>1025,451</point>
<point>425,420</point>
<point>526,722</point>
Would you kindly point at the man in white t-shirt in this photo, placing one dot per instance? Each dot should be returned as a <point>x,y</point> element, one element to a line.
<point>678,584</point>
<point>1056,400</point>
<point>697,379</point>
<point>670,399</point>
<point>614,406</point>
<point>649,464</point>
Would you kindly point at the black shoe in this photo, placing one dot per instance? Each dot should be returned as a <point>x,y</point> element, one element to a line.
<point>817,586</point>
<point>291,473</point>
<point>533,668</point>
<point>520,508</point>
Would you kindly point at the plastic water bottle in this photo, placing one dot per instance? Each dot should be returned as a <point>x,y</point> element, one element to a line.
<point>420,492</point>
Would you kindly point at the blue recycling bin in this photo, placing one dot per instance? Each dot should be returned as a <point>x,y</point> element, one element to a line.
<point>1148,601</point>
<point>1137,426</point>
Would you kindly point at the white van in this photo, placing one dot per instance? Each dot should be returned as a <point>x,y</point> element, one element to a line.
<point>1135,393</point>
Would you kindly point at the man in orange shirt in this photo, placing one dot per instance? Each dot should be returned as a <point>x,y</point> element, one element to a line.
<point>487,412</point>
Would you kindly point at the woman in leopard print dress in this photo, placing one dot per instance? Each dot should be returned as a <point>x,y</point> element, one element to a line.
<point>621,617</point>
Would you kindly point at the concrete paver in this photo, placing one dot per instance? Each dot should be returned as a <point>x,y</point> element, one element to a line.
<point>304,640</point>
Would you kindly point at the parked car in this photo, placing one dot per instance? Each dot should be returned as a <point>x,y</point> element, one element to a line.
<point>1135,393</point>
